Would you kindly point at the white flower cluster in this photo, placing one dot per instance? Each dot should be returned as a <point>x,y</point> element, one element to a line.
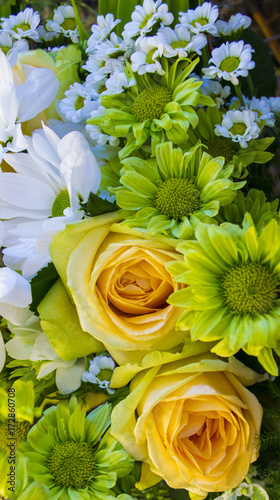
<point>16,29</point>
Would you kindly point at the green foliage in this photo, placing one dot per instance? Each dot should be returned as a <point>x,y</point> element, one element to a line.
<point>263,74</point>
<point>41,284</point>
<point>98,206</point>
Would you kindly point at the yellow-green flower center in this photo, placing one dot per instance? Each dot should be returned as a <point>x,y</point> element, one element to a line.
<point>5,50</point>
<point>105,374</point>
<point>250,288</point>
<point>69,24</point>
<point>238,129</point>
<point>145,20</point>
<point>13,433</point>
<point>23,27</point>
<point>200,20</point>
<point>179,44</point>
<point>150,103</point>
<point>230,64</point>
<point>72,464</point>
<point>221,146</point>
<point>61,202</point>
<point>177,198</point>
<point>79,104</point>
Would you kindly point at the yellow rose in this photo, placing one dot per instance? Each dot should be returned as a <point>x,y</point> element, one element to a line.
<point>191,422</point>
<point>117,279</point>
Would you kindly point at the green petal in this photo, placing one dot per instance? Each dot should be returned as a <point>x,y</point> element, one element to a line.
<point>100,417</point>
<point>210,325</point>
<point>76,425</point>
<point>267,360</point>
<point>208,170</point>
<point>200,263</point>
<point>138,184</point>
<point>252,244</point>
<point>219,245</point>
<point>131,201</point>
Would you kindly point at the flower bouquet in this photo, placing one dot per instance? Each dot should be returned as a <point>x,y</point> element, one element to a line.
<point>139,288</point>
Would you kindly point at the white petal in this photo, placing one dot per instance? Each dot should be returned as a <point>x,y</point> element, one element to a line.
<point>6,74</point>
<point>2,351</point>
<point>14,289</point>
<point>69,379</point>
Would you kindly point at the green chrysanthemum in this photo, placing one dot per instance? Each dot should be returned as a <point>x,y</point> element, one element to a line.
<point>65,453</point>
<point>234,278</point>
<point>149,110</point>
<point>231,151</point>
<point>255,204</point>
<point>174,192</point>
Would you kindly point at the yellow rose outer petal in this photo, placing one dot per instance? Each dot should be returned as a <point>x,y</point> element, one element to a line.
<point>199,428</point>
<point>120,285</point>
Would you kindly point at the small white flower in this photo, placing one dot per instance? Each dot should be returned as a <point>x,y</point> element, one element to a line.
<point>117,83</point>
<point>64,22</point>
<point>78,103</point>
<point>236,23</point>
<point>262,108</point>
<point>101,30</point>
<point>104,195</point>
<point>180,41</point>
<point>239,126</point>
<point>146,18</point>
<point>215,90</point>
<point>202,19</point>
<point>29,342</point>
<point>44,194</point>
<point>100,372</point>
<point>15,295</point>
<point>23,25</point>
<point>244,489</point>
<point>145,60</point>
<point>274,103</point>
<point>19,103</point>
<point>230,60</point>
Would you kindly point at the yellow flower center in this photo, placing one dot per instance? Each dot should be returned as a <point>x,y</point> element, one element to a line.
<point>229,64</point>
<point>69,24</point>
<point>105,374</point>
<point>61,202</point>
<point>180,44</point>
<point>250,288</point>
<point>150,103</point>
<point>79,104</point>
<point>238,129</point>
<point>200,20</point>
<point>145,20</point>
<point>177,198</point>
<point>72,464</point>
<point>23,27</point>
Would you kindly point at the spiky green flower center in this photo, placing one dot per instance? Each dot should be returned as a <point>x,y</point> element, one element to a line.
<point>238,129</point>
<point>221,146</point>
<point>69,24</point>
<point>79,104</point>
<point>105,374</point>
<point>61,202</point>
<point>230,64</point>
<point>150,103</point>
<point>72,464</point>
<point>177,198</point>
<point>23,27</point>
<point>250,288</point>
<point>13,432</point>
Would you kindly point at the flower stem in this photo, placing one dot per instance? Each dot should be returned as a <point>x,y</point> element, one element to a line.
<point>205,57</point>
<point>251,85</point>
<point>239,94</point>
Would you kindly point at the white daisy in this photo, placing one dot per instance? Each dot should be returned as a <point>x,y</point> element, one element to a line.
<point>22,102</point>
<point>29,342</point>
<point>146,59</point>
<point>101,30</point>
<point>230,60</point>
<point>202,19</point>
<point>51,181</point>
<point>239,126</point>
<point>262,108</point>
<point>23,25</point>
<point>15,295</point>
<point>64,22</point>
<point>236,23</point>
<point>147,18</point>
<point>215,90</point>
<point>274,103</point>
<point>78,103</point>
<point>100,372</point>
<point>117,83</point>
<point>180,41</point>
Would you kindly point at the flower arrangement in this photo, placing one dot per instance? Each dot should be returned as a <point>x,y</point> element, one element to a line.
<point>139,289</point>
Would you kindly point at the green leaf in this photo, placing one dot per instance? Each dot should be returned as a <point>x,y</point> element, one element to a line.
<point>41,284</point>
<point>98,206</point>
<point>6,7</point>
<point>108,6</point>
<point>124,11</point>
<point>263,74</point>
<point>83,34</point>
